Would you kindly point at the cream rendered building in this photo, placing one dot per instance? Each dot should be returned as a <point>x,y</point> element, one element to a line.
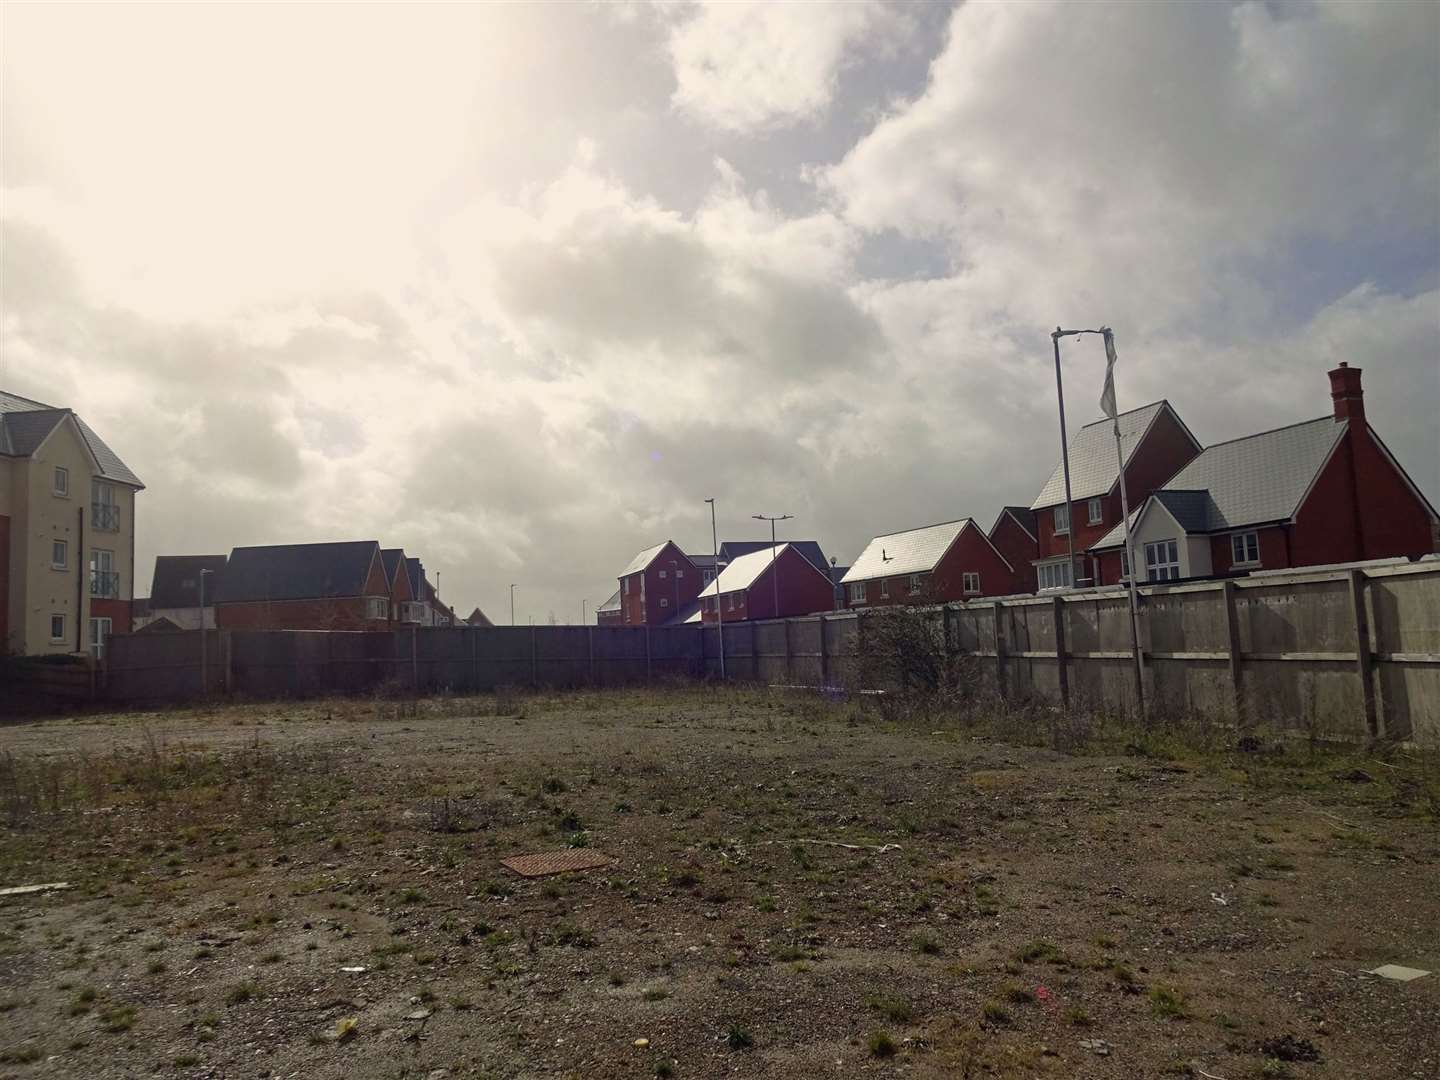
<point>67,532</point>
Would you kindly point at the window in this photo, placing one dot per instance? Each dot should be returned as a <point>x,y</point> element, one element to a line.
<point>1097,511</point>
<point>1055,575</point>
<point>99,634</point>
<point>104,580</point>
<point>917,582</point>
<point>732,602</point>
<point>1124,565</point>
<point>679,574</point>
<point>57,627</point>
<point>707,576</point>
<point>1245,549</point>
<point>625,586</point>
<point>884,589</point>
<point>61,484</point>
<point>857,591</point>
<point>59,554</point>
<point>662,575</point>
<point>663,601</point>
<point>377,607</point>
<point>105,508</point>
<point>1162,561</point>
<point>1062,519</point>
<point>971,583</point>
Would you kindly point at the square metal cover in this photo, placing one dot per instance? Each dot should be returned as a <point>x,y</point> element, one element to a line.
<point>565,861</point>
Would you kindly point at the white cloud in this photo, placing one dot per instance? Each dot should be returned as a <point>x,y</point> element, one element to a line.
<point>746,67</point>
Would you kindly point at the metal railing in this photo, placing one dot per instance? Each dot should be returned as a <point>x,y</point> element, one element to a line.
<point>105,584</point>
<point>105,517</point>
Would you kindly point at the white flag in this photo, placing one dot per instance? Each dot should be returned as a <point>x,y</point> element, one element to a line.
<point>1107,397</point>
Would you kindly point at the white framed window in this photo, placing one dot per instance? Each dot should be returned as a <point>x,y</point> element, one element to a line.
<point>707,576</point>
<point>857,591</point>
<point>625,586</point>
<point>664,601</point>
<point>60,482</point>
<point>662,575</point>
<point>884,589</point>
<point>915,581</point>
<point>1062,518</point>
<point>731,605</point>
<point>1124,565</point>
<point>104,579</point>
<point>971,583</point>
<point>1245,549</point>
<point>1055,575</point>
<point>104,507</point>
<point>679,575</point>
<point>59,555</point>
<point>1096,511</point>
<point>57,627</point>
<point>1162,561</point>
<point>377,607</point>
<point>99,635</point>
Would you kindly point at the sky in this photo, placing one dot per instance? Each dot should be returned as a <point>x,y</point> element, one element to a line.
<point>518,287</point>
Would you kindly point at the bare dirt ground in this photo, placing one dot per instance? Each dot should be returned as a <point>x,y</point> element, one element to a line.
<point>1005,909</point>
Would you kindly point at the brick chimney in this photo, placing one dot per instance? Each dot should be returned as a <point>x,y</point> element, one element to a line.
<point>1345,392</point>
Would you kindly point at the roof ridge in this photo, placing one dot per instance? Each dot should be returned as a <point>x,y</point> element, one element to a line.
<point>32,401</point>
<point>918,528</point>
<point>1127,412</point>
<point>1269,431</point>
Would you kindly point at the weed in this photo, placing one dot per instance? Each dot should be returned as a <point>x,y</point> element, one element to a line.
<point>242,992</point>
<point>1078,1017</point>
<point>1019,995</point>
<point>891,1006</point>
<point>21,1055</point>
<point>925,943</point>
<point>654,993</point>
<point>117,1019</point>
<point>738,1038</point>
<point>995,1013</point>
<point>664,1069</point>
<point>881,1044</point>
<point>1167,1003</point>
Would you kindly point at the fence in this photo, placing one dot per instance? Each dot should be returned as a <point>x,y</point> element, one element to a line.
<point>1353,652</point>
<point>31,683</point>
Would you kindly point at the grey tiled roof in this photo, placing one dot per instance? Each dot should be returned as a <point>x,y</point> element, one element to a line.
<point>742,572</point>
<point>297,571</point>
<point>391,557</point>
<point>24,424</point>
<point>1023,514</point>
<point>1093,467</point>
<point>810,549</point>
<point>613,604</point>
<point>1248,481</point>
<point>176,583</point>
<point>914,551</point>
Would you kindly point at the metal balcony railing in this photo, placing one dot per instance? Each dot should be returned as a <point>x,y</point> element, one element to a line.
<point>105,517</point>
<point>105,584</point>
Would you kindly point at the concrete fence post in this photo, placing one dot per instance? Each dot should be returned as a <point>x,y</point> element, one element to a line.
<point>998,612</point>
<point>824,655</point>
<point>534,662</point>
<point>1062,669</point>
<point>789,660</point>
<point>1232,637</point>
<point>647,653</point>
<point>415,659</point>
<point>1364,659</point>
<point>590,653</point>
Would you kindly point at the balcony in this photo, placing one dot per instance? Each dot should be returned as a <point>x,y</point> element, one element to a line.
<point>105,584</point>
<point>105,517</point>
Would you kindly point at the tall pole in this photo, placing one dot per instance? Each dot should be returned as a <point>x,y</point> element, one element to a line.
<point>204,666</point>
<point>1064,454</point>
<point>774,570</point>
<point>1130,559</point>
<point>512,603</point>
<point>584,619</point>
<point>719,612</point>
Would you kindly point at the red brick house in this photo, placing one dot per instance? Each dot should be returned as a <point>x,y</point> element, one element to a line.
<point>954,560</point>
<point>609,613</point>
<point>1324,491</point>
<point>659,581</point>
<point>334,586</point>
<point>1155,444</point>
<point>402,594</point>
<point>748,586</point>
<point>1013,536</point>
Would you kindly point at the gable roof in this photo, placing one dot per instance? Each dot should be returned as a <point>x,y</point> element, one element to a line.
<point>479,618</point>
<point>810,549</point>
<point>297,571</point>
<point>913,551</point>
<point>25,424</point>
<point>162,625</point>
<point>392,558</point>
<point>176,582</point>
<point>702,562</point>
<point>416,573</point>
<point>644,559</point>
<point>1248,481</point>
<point>1093,467</point>
<point>1024,517</point>
<point>613,604</point>
<point>742,572</point>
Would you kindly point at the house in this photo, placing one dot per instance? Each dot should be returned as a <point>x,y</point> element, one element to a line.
<point>67,532</point>
<point>1309,494</point>
<point>440,612</point>
<point>731,550</point>
<point>658,582</point>
<point>175,589</point>
<point>160,625</point>
<point>1014,537</point>
<point>478,618</point>
<point>403,606</point>
<point>330,586</point>
<point>1154,443</point>
<point>706,565</point>
<point>954,560</point>
<point>749,587</point>
<point>609,613</point>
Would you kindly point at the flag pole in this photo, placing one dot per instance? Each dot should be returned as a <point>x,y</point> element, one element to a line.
<point>1107,401</point>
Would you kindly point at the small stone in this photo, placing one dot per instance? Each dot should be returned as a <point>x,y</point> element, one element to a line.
<point>642,1044</point>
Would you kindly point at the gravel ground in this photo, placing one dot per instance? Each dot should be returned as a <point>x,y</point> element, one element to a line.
<point>1000,910</point>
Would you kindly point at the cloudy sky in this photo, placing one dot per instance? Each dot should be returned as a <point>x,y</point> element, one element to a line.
<point>518,287</point>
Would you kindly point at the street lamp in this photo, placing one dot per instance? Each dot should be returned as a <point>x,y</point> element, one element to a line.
<point>512,603</point>
<point>719,613</point>
<point>204,666</point>
<point>774,570</point>
<point>583,617</point>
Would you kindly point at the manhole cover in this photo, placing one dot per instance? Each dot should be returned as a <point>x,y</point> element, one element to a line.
<point>556,862</point>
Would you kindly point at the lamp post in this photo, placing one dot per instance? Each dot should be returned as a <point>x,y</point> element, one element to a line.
<point>719,612</point>
<point>512,603</point>
<point>583,617</point>
<point>204,665</point>
<point>774,570</point>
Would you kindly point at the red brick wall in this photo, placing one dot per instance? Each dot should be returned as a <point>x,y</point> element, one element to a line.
<point>803,590</point>
<point>1394,520</point>
<point>1019,549</point>
<point>609,618</point>
<point>117,611</point>
<point>5,581</point>
<point>970,553</point>
<point>340,613</point>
